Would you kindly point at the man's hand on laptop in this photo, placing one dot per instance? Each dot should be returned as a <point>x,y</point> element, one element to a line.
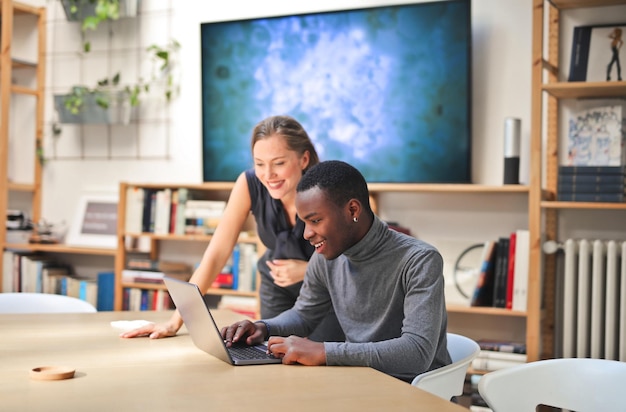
<point>294,349</point>
<point>244,332</point>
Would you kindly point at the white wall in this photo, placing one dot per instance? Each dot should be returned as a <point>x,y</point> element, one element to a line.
<point>501,88</point>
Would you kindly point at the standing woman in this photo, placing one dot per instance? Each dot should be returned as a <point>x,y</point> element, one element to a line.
<point>616,45</point>
<point>282,152</point>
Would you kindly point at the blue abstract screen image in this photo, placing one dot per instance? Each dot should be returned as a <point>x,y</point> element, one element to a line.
<point>386,89</point>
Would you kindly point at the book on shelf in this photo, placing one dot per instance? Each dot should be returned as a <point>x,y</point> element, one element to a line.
<point>492,364</point>
<point>483,292</point>
<point>151,276</point>
<point>573,187</point>
<point>595,56</point>
<point>162,205</point>
<point>596,137</point>
<point>502,346</point>
<point>136,263</point>
<point>573,179</point>
<point>147,215</point>
<point>106,291</point>
<point>202,216</point>
<point>134,209</point>
<point>598,172</point>
<point>508,301</point>
<point>224,280</point>
<point>494,354</point>
<point>592,197</point>
<point>520,280</point>
<point>501,273</point>
<point>182,197</point>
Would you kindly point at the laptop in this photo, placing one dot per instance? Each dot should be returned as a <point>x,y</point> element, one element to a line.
<point>204,331</point>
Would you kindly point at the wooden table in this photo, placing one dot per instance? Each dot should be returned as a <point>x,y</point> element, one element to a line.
<point>116,374</point>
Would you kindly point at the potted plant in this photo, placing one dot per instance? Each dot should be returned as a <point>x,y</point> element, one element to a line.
<point>92,12</point>
<point>109,102</point>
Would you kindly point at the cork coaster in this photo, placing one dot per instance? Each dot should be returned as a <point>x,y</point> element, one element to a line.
<point>51,373</point>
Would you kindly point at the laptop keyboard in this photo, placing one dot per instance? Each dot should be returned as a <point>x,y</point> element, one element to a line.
<point>245,352</point>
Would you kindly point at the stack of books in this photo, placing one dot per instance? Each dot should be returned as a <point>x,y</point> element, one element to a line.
<point>592,184</point>
<point>596,156</point>
<point>495,355</point>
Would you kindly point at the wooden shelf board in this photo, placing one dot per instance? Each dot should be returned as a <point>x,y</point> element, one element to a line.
<point>577,90</point>
<point>582,205</point>
<point>445,188</point>
<point>373,187</point>
<point>191,238</point>
<point>24,90</point>
<point>21,187</point>
<point>196,186</point>
<point>575,4</point>
<point>23,64</point>
<point>484,310</point>
<point>36,247</point>
<point>22,8</point>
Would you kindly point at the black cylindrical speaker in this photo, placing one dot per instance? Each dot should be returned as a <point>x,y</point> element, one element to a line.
<point>512,131</point>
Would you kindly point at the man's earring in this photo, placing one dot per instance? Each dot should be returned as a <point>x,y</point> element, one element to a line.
<point>355,219</point>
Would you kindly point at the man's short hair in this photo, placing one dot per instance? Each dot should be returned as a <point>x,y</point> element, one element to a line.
<point>339,180</point>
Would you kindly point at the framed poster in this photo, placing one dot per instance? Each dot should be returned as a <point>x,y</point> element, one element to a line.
<point>598,53</point>
<point>95,222</point>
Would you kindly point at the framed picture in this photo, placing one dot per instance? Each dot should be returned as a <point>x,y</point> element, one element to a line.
<point>598,53</point>
<point>95,222</point>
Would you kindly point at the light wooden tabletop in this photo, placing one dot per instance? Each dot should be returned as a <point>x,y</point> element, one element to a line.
<point>116,374</point>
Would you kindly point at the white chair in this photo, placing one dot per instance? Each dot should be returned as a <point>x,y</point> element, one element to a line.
<point>448,380</point>
<point>42,303</point>
<point>579,384</point>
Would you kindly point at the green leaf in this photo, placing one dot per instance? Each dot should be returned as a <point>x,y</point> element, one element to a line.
<point>90,23</point>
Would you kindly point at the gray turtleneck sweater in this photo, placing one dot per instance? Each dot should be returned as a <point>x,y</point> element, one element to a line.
<point>388,294</point>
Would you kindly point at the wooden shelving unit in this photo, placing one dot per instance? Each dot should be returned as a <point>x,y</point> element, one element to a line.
<point>547,78</point>
<point>212,191</point>
<point>8,64</point>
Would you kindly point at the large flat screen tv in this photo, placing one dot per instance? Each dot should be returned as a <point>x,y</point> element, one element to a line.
<point>387,89</point>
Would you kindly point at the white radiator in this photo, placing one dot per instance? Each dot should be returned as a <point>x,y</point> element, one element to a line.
<point>594,299</point>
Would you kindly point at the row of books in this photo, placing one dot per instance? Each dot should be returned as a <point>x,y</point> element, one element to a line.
<point>31,272</point>
<point>503,277</point>
<point>592,184</point>
<point>137,299</point>
<point>170,211</point>
<point>240,271</point>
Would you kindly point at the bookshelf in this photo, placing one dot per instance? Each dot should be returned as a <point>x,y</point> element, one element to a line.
<point>22,76</point>
<point>192,243</point>
<point>550,92</point>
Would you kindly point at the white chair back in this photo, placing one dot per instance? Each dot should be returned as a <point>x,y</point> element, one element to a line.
<point>42,303</point>
<point>448,380</point>
<point>578,384</point>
